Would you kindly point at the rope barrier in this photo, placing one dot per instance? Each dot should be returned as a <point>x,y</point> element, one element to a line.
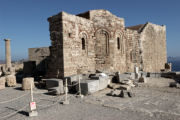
<point>55,102</point>
<point>9,115</point>
<point>14,99</point>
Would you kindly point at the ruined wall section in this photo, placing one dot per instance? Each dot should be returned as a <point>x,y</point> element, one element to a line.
<point>120,41</point>
<point>107,28</point>
<point>78,45</point>
<point>132,50</point>
<point>153,42</point>
<point>38,54</point>
<point>56,64</point>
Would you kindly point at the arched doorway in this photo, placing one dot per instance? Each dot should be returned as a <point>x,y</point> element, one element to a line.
<point>101,49</point>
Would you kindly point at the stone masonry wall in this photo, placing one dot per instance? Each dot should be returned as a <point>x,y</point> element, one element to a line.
<point>56,63</point>
<point>108,28</point>
<point>153,42</point>
<point>38,54</point>
<point>132,50</point>
<point>76,59</point>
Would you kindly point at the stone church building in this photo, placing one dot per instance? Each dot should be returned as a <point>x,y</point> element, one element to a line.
<point>99,40</point>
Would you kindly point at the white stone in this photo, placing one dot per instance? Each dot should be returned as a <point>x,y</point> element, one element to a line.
<point>11,80</point>
<point>26,83</point>
<point>2,83</point>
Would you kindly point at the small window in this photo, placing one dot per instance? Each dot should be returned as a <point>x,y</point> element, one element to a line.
<point>83,43</point>
<point>118,43</point>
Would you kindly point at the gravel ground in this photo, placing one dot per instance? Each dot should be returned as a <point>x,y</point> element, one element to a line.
<point>153,101</point>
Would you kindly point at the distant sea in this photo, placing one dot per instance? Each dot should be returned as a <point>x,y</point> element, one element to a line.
<point>175,65</point>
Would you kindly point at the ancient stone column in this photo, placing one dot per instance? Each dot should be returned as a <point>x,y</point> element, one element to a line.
<point>8,54</point>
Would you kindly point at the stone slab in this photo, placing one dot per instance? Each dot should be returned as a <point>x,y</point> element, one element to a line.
<point>103,83</point>
<point>121,77</point>
<point>53,82</point>
<point>88,86</point>
<point>54,86</point>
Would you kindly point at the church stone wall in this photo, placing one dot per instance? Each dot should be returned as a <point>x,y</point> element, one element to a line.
<point>56,63</point>
<point>98,40</point>
<point>76,58</point>
<point>153,42</point>
<point>132,50</point>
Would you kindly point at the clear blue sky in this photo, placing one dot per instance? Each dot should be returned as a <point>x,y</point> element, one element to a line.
<point>25,21</point>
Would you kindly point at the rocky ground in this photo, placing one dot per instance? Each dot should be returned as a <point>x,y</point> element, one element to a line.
<point>153,101</point>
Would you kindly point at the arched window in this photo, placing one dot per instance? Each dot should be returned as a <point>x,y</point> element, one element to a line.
<point>83,43</point>
<point>118,43</point>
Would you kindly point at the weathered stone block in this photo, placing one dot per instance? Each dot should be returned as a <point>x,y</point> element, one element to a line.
<point>29,67</point>
<point>73,78</point>
<point>53,82</point>
<point>142,80</point>
<point>2,83</point>
<point>103,83</point>
<point>102,78</point>
<point>55,86</point>
<point>11,80</point>
<point>56,90</point>
<point>121,77</point>
<point>89,86</point>
<point>154,75</point>
<point>26,83</point>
